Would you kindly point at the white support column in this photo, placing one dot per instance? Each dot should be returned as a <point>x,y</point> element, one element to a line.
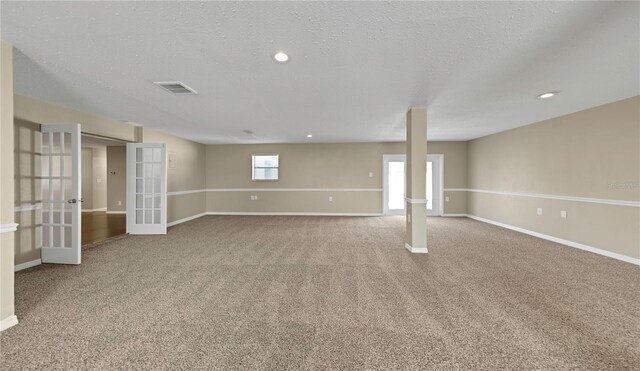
<point>7,221</point>
<point>416,181</point>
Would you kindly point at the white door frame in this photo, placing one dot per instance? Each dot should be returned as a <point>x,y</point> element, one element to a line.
<point>62,251</point>
<point>438,163</point>
<point>385,183</point>
<point>436,158</point>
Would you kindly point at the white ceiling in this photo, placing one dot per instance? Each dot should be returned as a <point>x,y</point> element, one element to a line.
<point>355,67</point>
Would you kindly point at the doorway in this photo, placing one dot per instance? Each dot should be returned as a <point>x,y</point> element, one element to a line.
<point>394,188</point>
<point>103,189</point>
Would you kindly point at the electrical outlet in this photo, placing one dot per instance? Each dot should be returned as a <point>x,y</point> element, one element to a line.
<point>370,174</point>
<point>119,203</point>
<point>255,197</point>
<point>563,214</point>
<point>98,180</point>
<point>539,211</point>
<point>330,198</point>
<point>446,199</point>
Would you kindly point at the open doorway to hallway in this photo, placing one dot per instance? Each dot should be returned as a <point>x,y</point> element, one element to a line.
<point>103,189</point>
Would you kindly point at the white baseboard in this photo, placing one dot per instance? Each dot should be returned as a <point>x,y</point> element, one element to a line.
<point>116,212</point>
<point>454,215</point>
<point>180,221</point>
<point>26,265</point>
<point>8,322</point>
<point>416,250</point>
<point>577,245</point>
<point>257,213</point>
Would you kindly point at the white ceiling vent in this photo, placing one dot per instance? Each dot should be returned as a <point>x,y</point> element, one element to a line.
<point>175,87</point>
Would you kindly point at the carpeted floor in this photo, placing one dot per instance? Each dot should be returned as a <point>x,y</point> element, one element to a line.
<point>327,293</point>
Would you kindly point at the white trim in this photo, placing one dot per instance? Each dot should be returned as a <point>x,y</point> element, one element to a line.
<point>116,212</point>
<point>180,221</point>
<point>26,265</point>
<point>454,215</point>
<point>94,210</point>
<point>177,193</point>
<point>551,197</point>
<point>257,213</point>
<point>416,200</point>
<point>577,245</point>
<point>10,227</point>
<point>8,322</point>
<point>27,207</point>
<point>294,190</point>
<point>416,250</point>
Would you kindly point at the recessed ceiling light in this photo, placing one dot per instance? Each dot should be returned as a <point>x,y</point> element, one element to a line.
<point>547,95</point>
<point>281,57</point>
<point>309,136</point>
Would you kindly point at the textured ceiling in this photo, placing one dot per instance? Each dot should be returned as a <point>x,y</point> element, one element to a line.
<point>355,67</point>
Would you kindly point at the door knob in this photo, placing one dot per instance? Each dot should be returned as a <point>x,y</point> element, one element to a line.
<point>72,201</point>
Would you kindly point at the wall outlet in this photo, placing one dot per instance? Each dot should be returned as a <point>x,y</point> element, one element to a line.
<point>99,180</point>
<point>539,211</point>
<point>119,203</point>
<point>446,199</point>
<point>563,214</point>
<point>330,198</point>
<point>370,174</point>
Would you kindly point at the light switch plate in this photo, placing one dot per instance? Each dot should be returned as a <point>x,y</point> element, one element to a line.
<point>563,214</point>
<point>539,211</point>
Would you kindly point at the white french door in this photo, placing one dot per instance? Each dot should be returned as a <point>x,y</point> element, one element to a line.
<point>394,188</point>
<point>61,194</point>
<point>146,188</point>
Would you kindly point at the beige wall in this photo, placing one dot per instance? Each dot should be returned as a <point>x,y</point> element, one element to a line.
<point>185,172</point>
<point>27,190</point>
<point>99,181</point>
<point>87,178</point>
<point>593,154</point>
<point>34,110</point>
<point>116,179</point>
<point>6,182</point>
<point>333,166</point>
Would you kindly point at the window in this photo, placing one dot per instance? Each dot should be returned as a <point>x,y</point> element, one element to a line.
<point>264,167</point>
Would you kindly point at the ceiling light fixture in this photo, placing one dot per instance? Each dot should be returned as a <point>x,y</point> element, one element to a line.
<point>281,57</point>
<point>309,136</point>
<point>547,95</point>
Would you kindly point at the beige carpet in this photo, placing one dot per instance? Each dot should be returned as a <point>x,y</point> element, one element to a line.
<point>327,293</point>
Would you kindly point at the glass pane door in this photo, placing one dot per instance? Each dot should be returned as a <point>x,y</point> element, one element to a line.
<point>146,183</point>
<point>60,177</point>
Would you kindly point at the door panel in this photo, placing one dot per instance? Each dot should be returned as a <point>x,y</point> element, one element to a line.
<point>394,188</point>
<point>146,188</point>
<point>61,194</point>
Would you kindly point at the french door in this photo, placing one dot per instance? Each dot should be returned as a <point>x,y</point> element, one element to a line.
<point>61,194</point>
<point>394,184</point>
<point>146,188</point>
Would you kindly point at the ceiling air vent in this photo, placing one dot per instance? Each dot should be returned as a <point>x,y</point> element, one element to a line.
<point>175,87</point>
